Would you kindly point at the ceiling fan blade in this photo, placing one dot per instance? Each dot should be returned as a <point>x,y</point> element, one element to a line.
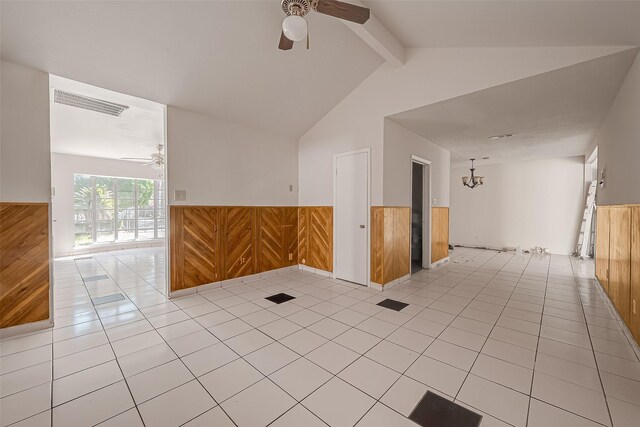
<point>349,12</point>
<point>135,158</point>
<point>285,43</point>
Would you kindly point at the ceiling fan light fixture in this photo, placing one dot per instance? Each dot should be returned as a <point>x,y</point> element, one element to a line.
<point>294,28</point>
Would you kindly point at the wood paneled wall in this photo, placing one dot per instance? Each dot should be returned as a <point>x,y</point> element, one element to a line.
<point>390,243</point>
<point>315,237</point>
<point>602,246</point>
<point>439,233</point>
<point>214,243</point>
<point>634,322</point>
<point>618,260</point>
<point>24,263</point>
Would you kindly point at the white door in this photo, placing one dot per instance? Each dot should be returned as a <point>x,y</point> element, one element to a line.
<point>352,217</point>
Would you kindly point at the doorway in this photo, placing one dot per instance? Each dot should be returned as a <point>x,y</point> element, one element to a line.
<point>109,205</point>
<point>420,214</point>
<point>351,205</point>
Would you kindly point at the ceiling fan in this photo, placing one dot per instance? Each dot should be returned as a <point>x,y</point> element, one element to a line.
<point>294,26</point>
<point>156,160</point>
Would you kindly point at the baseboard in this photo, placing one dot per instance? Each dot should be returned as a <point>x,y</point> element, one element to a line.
<point>27,328</point>
<point>623,326</point>
<point>437,263</point>
<point>316,271</point>
<point>391,284</point>
<point>231,282</point>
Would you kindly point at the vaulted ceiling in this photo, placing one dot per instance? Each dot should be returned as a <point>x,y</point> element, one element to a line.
<point>220,58</point>
<point>554,114</point>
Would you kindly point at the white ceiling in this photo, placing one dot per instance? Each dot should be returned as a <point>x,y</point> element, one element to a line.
<point>215,57</point>
<point>554,114</point>
<point>135,133</point>
<point>454,23</point>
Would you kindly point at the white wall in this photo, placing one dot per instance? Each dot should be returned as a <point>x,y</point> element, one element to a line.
<point>619,144</point>
<point>527,204</point>
<point>399,145</point>
<point>220,163</point>
<point>24,137</point>
<point>63,167</point>
<point>428,76</point>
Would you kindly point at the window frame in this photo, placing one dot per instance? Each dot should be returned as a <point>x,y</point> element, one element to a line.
<point>93,209</point>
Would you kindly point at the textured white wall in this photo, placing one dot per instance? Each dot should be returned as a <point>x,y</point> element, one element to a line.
<point>527,204</point>
<point>619,144</point>
<point>428,76</point>
<point>399,145</point>
<point>25,160</point>
<point>220,163</point>
<point>63,167</point>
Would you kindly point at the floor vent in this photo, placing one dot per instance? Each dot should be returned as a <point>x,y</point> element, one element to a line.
<point>280,298</point>
<point>87,103</point>
<point>107,299</point>
<point>434,410</point>
<point>392,304</point>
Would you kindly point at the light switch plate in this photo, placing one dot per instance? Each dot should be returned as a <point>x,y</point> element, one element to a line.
<point>180,195</point>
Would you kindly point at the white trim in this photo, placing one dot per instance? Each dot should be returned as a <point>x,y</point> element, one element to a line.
<point>437,263</point>
<point>391,284</point>
<point>238,280</point>
<point>366,151</point>
<point>167,210</point>
<point>26,328</point>
<point>426,210</point>
<point>317,271</point>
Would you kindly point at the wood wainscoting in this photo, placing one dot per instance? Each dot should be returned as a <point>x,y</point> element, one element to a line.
<point>618,260</point>
<point>214,243</point>
<point>439,233</point>
<point>24,263</point>
<point>315,237</point>
<point>390,243</point>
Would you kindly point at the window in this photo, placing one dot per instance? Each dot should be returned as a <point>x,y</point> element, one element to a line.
<point>109,209</point>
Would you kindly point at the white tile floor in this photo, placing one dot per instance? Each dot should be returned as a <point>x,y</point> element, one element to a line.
<point>526,341</point>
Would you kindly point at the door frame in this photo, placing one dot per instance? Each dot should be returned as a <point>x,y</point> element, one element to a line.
<point>366,151</point>
<point>426,208</point>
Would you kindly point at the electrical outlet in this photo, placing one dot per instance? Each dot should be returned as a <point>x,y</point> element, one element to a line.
<point>304,261</point>
<point>290,257</point>
<point>634,306</point>
<point>180,195</point>
<point>291,188</point>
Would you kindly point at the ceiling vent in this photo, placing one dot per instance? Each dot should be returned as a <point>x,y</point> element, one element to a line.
<point>87,103</point>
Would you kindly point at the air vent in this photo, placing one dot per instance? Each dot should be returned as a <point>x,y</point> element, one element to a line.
<point>87,103</point>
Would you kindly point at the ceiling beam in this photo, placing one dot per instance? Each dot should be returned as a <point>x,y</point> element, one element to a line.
<point>376,35</point>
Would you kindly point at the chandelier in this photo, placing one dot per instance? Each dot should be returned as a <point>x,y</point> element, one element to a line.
<point>475,180</point>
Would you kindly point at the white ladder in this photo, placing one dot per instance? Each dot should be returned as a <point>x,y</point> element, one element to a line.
<point>586,228</point>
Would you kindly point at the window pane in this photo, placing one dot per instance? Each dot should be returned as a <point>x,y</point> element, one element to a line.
<point>83,204</point>
<point>132,207</point>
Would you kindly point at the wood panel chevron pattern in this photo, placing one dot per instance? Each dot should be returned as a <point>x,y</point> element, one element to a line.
<point>24,263</point>
<point>239,241</point>
<point>390,245</point>
<point>439,233</point>
<point>290,235</point>
<point>194,246</point>
<point>271,242</point>
<point>215,243</point>
<point>315,237</point>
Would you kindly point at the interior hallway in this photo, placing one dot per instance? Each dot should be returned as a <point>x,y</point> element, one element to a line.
<point>523,340</point>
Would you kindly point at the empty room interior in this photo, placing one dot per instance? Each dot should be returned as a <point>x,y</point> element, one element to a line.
<point>370,213</point>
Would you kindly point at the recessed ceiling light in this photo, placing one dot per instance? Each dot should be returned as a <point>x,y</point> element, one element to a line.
<point>503,136</point>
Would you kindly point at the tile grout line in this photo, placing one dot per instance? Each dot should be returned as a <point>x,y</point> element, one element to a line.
<point>535,358</point>
<point>595,359</point>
